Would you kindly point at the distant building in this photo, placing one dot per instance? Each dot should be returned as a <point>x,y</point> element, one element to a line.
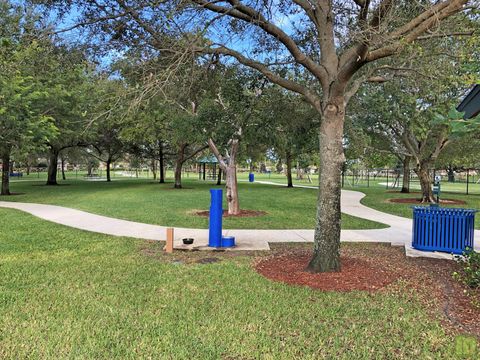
<point>471,104</point>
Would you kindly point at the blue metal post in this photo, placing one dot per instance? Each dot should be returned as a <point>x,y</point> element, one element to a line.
<point>215,223</point>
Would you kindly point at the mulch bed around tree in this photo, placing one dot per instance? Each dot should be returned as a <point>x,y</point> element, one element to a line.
<point>356,273</point>
<point>380,267</point>
<point>419,201</point>
<point>243,213</point>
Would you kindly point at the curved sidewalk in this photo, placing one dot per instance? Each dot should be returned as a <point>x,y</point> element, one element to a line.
<point>399,232</point>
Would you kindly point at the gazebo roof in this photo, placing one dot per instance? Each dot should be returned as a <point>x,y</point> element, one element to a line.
<point>208,160</point>
<point>471,103</point>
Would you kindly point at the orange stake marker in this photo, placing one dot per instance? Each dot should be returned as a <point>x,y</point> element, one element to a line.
<point>169,245</point>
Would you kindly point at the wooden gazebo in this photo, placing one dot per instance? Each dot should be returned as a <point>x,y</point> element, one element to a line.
<point>471,103</point>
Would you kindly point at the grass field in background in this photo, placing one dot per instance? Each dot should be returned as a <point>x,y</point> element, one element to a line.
<point>147,201</point>
<point>66,293</point>
<point>460,186</point>
<point>142,199</point>
<point>379,199</point>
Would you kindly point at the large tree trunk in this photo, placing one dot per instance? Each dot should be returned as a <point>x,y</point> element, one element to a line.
<point>326,256</point>
<point>52,167</point>
<point>289,170</point>
<point>108,165</point>
<point>5,173</point>
<point>406,174</point>
<point>161,158</point>
<point>178,166</point>
<point>423,173</point>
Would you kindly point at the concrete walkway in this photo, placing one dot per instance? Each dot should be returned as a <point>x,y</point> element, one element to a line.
<point>398,234</point>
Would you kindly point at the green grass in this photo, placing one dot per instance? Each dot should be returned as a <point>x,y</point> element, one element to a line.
<point>66,293</point>
<point>149,202</point>
<point>377,198</point>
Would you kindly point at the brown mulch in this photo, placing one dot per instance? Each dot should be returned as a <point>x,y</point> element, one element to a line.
<point>243,213</point>
<point>419,201</point>
<point>379,267</point>
<point>356,273</point>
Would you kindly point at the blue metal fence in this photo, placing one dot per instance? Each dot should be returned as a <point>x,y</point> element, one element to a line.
<point>443,229</point>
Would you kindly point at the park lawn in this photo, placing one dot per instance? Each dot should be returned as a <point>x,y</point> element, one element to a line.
<point>66,293</point>
<point>378,198</point>
<point>147,201</point>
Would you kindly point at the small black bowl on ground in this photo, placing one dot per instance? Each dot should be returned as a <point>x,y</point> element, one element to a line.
<point>188,241</point>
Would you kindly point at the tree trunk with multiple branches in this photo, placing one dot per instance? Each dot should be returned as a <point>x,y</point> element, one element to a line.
<point>229,165</point>
<point>425,154</point>
<point>346,36</point>
<point>335,72</point>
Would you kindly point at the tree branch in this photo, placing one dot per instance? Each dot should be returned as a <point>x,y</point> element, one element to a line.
<point>432,36</point>
<point>254,17</point>
<point>221,160</point>
<point>412,30</point>
<point>194,153</point>
<point>309,95</point>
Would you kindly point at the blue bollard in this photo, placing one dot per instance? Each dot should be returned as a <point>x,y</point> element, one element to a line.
<point>215,222</point>
<point>251,177</point>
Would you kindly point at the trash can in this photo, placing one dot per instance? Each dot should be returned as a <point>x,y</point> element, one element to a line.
<point>443,229</point>
<point>251,177</point>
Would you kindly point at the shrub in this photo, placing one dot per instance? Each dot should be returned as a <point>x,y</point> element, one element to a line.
<point>469,273</point>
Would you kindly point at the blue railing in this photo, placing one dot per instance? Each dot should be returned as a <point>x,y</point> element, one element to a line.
<point>443,229</point>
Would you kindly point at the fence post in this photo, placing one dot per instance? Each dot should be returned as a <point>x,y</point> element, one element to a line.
<point>387,179</point>
<point>368,178</point>
<point>467,179</point>
<point>169,242</point>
